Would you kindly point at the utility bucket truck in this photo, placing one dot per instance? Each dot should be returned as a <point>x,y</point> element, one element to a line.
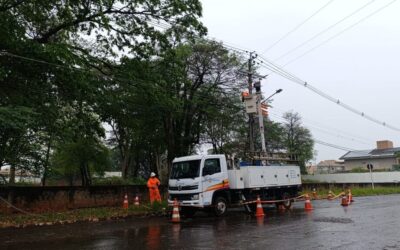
<point>214,182</point>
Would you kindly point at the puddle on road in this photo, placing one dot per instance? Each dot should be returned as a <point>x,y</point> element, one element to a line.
<point>333,220</point>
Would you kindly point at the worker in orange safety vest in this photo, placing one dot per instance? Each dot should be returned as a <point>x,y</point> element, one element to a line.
<point>153,184</point>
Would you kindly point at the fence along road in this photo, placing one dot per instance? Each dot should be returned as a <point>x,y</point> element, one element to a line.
<point>378,177</point>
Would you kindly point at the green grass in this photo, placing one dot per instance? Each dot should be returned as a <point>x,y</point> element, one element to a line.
<point>86,214</point>
<point>357,191</point>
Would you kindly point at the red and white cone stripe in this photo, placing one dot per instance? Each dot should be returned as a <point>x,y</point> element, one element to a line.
<point>136,203</point>
<point>175,212</point>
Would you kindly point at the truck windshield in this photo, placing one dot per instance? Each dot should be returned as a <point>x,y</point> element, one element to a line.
<point>185,169</point>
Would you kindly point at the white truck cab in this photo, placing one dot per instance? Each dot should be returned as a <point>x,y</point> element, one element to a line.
<point>206,181</point>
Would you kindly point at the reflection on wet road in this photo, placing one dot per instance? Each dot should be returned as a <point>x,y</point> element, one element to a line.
<point>369,223</point>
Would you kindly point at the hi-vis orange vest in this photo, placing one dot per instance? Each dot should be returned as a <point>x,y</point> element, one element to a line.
<point>153,182</point>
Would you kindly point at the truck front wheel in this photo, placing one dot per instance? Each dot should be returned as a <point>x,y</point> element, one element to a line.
<point>220,206</point>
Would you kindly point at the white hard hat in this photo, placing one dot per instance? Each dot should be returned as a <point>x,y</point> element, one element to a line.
<point>152,174</point>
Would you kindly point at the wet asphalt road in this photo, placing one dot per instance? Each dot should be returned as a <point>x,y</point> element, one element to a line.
<point>369,223</point>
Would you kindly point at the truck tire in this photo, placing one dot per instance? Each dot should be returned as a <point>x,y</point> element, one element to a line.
<point>220,206</point>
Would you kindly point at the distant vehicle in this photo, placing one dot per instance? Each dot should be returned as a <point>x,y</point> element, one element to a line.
<point>214,183</point>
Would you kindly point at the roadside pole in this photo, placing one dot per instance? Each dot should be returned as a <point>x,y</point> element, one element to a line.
<point>261,120</point>
<point>370,167</point>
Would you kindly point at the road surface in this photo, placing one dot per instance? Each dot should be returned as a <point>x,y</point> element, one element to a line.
<point>369,223</point>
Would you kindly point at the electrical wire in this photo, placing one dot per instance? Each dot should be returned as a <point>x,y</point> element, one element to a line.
<point>323,31</point>
<point>293,78</point>
<point>339,33</point>
<point>325,143</point>
<point>333,145</point>
<point>274,68</point>
<point>354,137</point>
<point>217,105</point>
<point>324,130</point>
<point>297,27</point>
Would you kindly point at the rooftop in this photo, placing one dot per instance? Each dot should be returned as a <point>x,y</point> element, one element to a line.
<point>372,153</point>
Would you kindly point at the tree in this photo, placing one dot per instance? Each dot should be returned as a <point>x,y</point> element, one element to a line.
<point>274,136</point>
<point>86,38</point>
<point>17,141</point>
<point>164,105</point>
<point>298,139</point>
<point>225,126</point>
<point>191,79</point>
<point>81,158</point>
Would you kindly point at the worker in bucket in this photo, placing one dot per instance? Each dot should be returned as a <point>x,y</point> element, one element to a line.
<point>153,184</point>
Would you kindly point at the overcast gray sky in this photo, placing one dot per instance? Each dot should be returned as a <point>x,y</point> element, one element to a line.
<point>360,66</point>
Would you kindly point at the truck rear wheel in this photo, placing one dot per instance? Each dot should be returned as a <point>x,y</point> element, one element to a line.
<point>220,206</point>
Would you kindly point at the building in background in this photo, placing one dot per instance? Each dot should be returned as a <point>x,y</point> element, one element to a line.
<point>330,166</point>
<point>383,157</point>
<point>311,168</point>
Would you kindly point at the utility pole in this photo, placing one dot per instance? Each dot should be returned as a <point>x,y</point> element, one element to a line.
<point>250,86</point>
<point>257,86</point>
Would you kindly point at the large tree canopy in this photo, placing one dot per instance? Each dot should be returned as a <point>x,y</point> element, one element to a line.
<point>63,54</point>
<point>71,71</point>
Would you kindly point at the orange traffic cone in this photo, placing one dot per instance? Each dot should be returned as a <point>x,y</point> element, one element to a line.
<point>307,204</point>
<point>330,195</point>
<point>175,212</point>
<point>259,209</point>
<point>125,205</point>
<point>136,203</point>
<point>345,201</point>
<point>314,194</point>
<point>350,197</point>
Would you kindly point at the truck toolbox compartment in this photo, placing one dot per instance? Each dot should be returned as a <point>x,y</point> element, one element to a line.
<point>270,176</point>
<point>235,179</point>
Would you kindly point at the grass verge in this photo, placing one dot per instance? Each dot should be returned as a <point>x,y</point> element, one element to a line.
<point>85,214</point>
<point>357,191</point>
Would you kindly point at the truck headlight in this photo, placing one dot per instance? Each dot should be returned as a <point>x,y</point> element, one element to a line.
<point>195,197</point>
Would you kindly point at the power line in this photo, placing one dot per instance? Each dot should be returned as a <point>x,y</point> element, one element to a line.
<point>328,128</point>
<point>324,31</point>
<point>327,131</point>
<point>339,33</point>
<point>297,27</point>
<point>325,143</point>
<point>274,68</point>
<point>293,78</point>
<point>332,145</point>
<point>219,105</point>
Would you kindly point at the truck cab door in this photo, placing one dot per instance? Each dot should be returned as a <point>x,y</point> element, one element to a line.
<point>212,178</point>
